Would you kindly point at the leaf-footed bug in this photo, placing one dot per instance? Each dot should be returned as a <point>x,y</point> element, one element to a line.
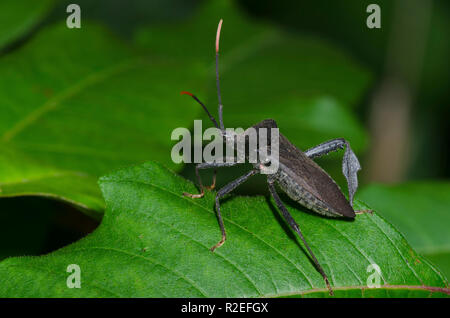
<point>297,175</point>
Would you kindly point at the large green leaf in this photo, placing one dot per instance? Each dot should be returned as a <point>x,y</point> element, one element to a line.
<point>154,242</point>
<point>421,211</point>
<point>18,17</point>
<point>307,85</point>
<point>76,104</point>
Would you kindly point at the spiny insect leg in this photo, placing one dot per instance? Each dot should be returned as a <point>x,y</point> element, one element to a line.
<point>350,163</point>
<point>290,220</point>
<point>213,184</point>
<point>227,189</point>
<point>200,185</point>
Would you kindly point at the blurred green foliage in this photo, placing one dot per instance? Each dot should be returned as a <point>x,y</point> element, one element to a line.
<point>18,18</point>
<point>427,219</point>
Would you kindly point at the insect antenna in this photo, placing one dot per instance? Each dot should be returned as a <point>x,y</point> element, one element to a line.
<point>218,86</point>
<point>219,27</point>
<point>203,105</point>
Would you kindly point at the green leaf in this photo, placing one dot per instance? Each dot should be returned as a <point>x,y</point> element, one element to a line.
<point>307,85</point>
<point>18,17</point>
<point>154,242</point>
<point>420,210</point>
<point>78,103</point>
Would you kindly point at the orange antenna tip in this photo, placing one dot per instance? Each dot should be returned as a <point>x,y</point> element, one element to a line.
<point>186,93</point>
<point>218,35</point>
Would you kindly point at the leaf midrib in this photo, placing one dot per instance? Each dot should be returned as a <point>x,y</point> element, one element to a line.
<point>431,289</point>
<point>71,90</point>
<point>47,176</point>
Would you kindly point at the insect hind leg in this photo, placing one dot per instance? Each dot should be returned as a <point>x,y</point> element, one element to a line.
<point>350,163</point>
<point>290,220</point>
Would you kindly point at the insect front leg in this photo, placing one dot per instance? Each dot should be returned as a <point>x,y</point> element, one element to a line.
<point>290,220</point>
<point>350,163</point>
<point>213,184</point>
<point>227,189</point>
<point>207,165</point>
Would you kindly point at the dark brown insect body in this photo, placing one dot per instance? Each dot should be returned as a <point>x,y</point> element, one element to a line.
<point>305,181</point>
<point>297,175</point>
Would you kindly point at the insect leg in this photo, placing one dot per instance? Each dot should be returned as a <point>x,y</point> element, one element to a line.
<point>350,163</point>
<point>326,147</point>
<point>290,220</point>
<point>213,184</point>
<point>207,165</point>
<point>227,189</point>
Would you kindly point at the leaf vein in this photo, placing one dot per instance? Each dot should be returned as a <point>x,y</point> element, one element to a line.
<point>224,218</point>
<point>72,90</point>
<point>203,245</point>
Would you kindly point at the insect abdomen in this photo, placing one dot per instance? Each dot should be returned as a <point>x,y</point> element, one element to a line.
<point>299,194</point>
